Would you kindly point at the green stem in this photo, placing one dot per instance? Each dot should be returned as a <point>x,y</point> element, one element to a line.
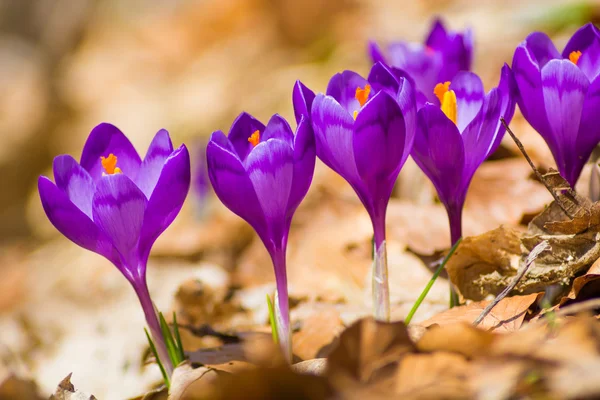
<point>430,283</point>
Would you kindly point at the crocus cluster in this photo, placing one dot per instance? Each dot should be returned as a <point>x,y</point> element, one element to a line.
<point>418,99</point>
<point>116,204</point>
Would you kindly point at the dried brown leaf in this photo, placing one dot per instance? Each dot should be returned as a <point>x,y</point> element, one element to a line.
<point>484,264</point>
<point>439,375</point>
<point>316,334</point>
<point>507,316</point>
<point>586,286</point>
<point>185,376</point>
<point>364,350</point>
<point>66,391</point>
<point>315,366</point>
<point>461,338</point>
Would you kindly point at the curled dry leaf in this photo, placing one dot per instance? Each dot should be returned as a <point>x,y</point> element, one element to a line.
<point>315,366</point>
<point>185,376</point>
<point>506,316</point>
<point>364,350</point>
<point>316,334</point>
<point>66,391</point>
<point>586,286</point>
<point>484,265</point>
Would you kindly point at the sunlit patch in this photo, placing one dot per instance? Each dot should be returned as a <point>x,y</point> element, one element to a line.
<point>447,99</point>
<point>110,165</point>
<point>362,95</point>
<point>254,139</point>
<point>574,56</point>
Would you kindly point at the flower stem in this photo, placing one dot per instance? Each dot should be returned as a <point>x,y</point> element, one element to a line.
<point>141,289</point>
<point>380,284</point>
<point>455,221</point>
<point>282,309</point>
<point>430,283</point>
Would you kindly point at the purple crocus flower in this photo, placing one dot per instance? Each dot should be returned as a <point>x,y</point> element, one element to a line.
<point>560,95</point>
<point>438,60</point>
<point>454,139</point>
<point>364,131</point>
<point>262,174</point>
<point>117,205</point>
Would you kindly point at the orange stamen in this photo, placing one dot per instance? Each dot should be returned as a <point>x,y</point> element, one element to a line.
<point>110,164</point>
<point>574,56</point>
<point>440,90</point>
<point>254,138</point>
<point>362,95</point>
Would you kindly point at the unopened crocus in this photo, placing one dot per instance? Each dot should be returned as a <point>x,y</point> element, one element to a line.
<point>364,131</point>
<point>438,60</point>
<point>262,173</point>
<point>116,204</point>
<point>559,95</point>
<point>453,140</point>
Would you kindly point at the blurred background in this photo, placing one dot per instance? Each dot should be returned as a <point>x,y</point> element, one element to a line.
<point>191,66</point>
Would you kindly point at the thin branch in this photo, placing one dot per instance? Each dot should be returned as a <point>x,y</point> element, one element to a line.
<point>534,168</point>
<point>535,252</point>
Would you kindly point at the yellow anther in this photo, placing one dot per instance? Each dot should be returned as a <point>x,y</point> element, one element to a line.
<point>110,164</point>
<point>254,139</point>
<point>449,105</point>
<point>354,114</point>
<point>574,56</point>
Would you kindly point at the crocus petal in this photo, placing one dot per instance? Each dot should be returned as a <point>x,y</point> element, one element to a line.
<point>302,98</point>
<point>342,87</point>
<point>480,136</point>
<point>270,167</point>
<point>382,78</point>
<point>589,128</point>
<point>437,38</point>
<point>73,222</point>
<point>421,64</point>
<point>278,128</point>
<point>408,106</point>
<point>167,198</point>
<point>439,152</point>
<point>118,208</point>
<point>231,182</point>
<point>587,41</point>
<point>529,81</point>
<point>333,128</point>
<point>75,181</point>
<point>104,140</point>
<point>376,53</point>
<point>564,88</point>
<point>304,163</point>
<point>379,144</point>
<point>469,97</point>
<point>242,128</point>
<point>540,48</point>
<point>160,149</point>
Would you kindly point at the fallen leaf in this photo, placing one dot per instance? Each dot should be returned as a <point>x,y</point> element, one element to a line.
<point>364,350</point>
<point>485,264</point>
<point>66,391</point>
<point>461,338</point>
<point>184,376</point>
<point>440,375</point>
<point>316,334</point>
<point>506,316</point>
<point>586,286</point>
<point>315,366</point>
